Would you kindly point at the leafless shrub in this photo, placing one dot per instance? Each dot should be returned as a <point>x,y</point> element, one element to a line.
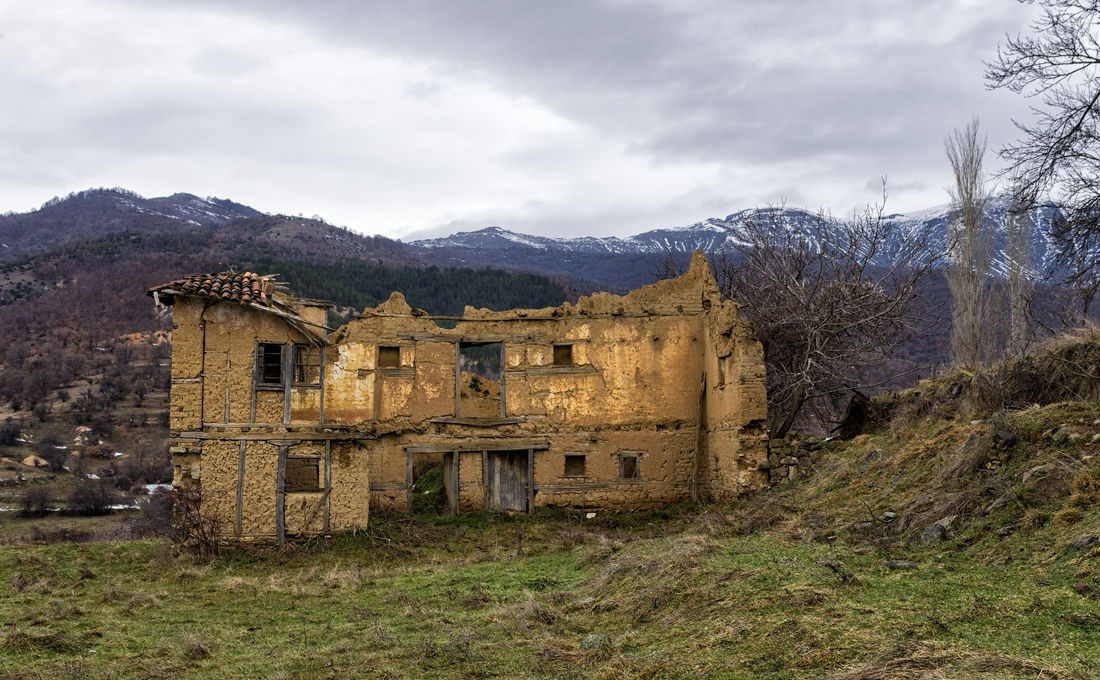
<point>828,298</point>
<point>35,501</point>
<point>192,528</point>
<point>92,497</point>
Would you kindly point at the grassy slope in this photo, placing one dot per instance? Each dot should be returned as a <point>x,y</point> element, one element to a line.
<point>760,590</point>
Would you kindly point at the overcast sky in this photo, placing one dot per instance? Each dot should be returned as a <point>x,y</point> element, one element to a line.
<point>565,118</point>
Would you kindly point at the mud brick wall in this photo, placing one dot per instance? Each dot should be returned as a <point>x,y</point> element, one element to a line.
<point>668,376</point>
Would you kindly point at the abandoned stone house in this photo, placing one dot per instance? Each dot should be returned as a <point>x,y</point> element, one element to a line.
<point>615,402</point>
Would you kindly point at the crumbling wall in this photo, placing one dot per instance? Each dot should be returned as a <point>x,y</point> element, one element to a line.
<point>626,402</point>
<point>736,407</point>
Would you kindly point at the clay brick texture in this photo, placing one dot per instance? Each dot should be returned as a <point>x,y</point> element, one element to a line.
<point>615,402</point>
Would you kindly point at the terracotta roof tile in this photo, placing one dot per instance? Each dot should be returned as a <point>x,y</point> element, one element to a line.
<point>242,287</point>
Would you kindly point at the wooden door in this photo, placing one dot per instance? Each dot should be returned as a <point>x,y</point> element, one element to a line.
<point>507,480</point>
<point>450,481</point>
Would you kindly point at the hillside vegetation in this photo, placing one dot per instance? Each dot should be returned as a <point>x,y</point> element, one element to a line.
<point>950,543</point>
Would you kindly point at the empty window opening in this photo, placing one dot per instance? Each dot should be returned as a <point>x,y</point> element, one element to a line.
<point>302,474</point>
<point>307,365</point>
<point>628,466</point>
<point>271,363</point>
<point>563,355</point>
<point>479,379</point>
<point>389,357</point>
<point>574,465</point>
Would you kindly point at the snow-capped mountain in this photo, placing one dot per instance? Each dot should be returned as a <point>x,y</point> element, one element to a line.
<point>93,212</point>
<point>713,235</point>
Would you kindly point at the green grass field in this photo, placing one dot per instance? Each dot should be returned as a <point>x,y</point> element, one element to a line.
<point>793,583</point>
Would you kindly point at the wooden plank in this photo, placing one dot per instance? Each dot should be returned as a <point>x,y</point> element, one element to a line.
<point>289,437</point>
<point>530,480</point>
<point>288,379</point>
<point>255,381</point>
<point>502,444</point>
<point>485,479</point>
<point>280,496</point>
<point>240,489</point>
<point>477,422</point>
<point>322,379</point>
<point>328,481</point>
<point>554,370</point>
<point>458,381</point>
<point>227,373</point>
<point>409,482</point>
<point>503,398</point>
<point>321,502</point>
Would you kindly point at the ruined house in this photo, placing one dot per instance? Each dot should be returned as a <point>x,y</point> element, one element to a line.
<point>615,402</point>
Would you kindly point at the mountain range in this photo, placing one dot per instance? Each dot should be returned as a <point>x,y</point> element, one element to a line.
<point>614,261</point>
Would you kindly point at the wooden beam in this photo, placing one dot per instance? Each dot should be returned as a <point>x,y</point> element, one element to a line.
<point>409,482</point>
<point>322,380</point>
<point>288,437</point>
<point>328,481</point>
<point>458,381</point>
<point>530,480</point>
<point>288,379</point>
<point>321,502</point>
<point>502,444</point>
<point>255,381</point>
<point>240,489</point>
<point>280,496</point>
<point>503,399</point>
<point>485,479</point>
<point>477,422</point>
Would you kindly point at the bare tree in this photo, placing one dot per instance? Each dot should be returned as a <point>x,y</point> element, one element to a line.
<point>828,298</point>
<point>969,244</point>
<point>1059,152</point>
<point>1021,286</point>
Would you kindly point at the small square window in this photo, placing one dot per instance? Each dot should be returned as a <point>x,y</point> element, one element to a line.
<point>302,474</point>
<point>628,466</point>
<point>574,465</point>
<point>389,357</point>
<point>307,365</point>
<point>271,363</point>
<point>563,355</point>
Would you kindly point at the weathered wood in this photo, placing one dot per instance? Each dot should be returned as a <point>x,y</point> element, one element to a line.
<point>255,381</point>
<point>503,399</point>
<point>409,481</point>
<point>403,372</point>
<point>227,372</point>
<point>485,478</point>
<point>554,370</point>
<point>276,436</point>
<point>502,444</point>
<point>288,375</point>
<point>458,380</point>
<point>328,482</point>
<point>321,502</point>
<point>477,422</point>
<point>321,416</point>
<point>280,496</point>
<point>530,480</point>
<point>240,489</point>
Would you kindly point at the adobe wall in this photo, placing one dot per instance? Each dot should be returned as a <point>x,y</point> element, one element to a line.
<point>668,375</point>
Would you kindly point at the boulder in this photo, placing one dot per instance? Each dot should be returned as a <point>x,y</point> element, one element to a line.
<point>1086,542</point>
<point>35,461</point>
<point>938,531</point>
